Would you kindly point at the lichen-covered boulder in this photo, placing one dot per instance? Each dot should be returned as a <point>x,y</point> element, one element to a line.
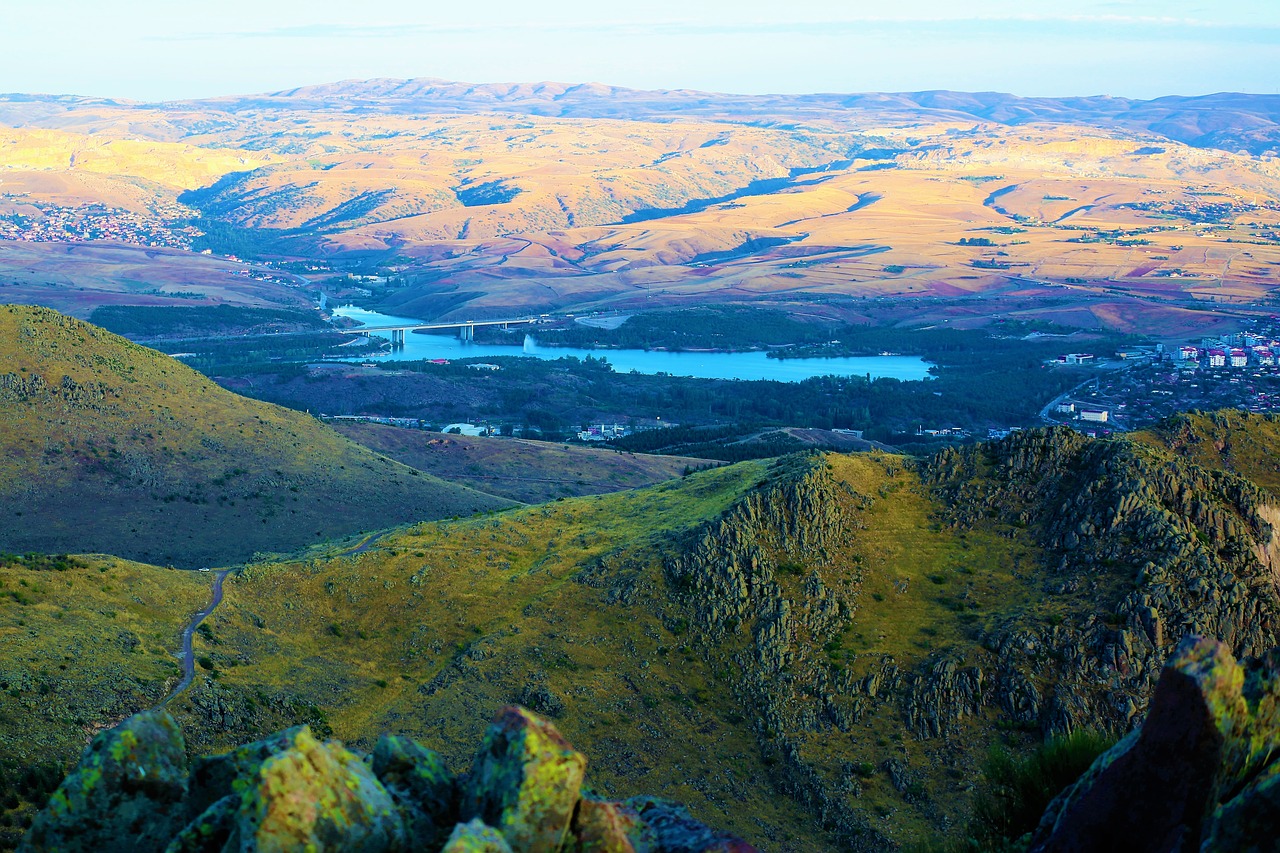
<point>125,794</point>
<point>677,831</point>
<point>422,787</point>
<point>214,777</point>
<point>292,792</point>
<point>1149,792</point>
<point>525,781</point>
<point>475,837</point>
<point>318,797</point>
<point>603,826</point>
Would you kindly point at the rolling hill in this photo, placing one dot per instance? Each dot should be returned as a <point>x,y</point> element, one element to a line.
<point>519,469</point>
<point>112,447</point>
<point>470,200</point>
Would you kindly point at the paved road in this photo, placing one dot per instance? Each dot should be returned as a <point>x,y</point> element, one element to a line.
<point>1117,424</point>
<point>1053,404</point>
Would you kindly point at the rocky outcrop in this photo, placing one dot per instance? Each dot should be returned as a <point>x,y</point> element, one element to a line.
<point>424,790</point>
<point>1159,547</point>
<point>132,792</point>
<point>741,582</point>
<point>317,796</point>
<point>126,794</point>
<point>1200,773</point>
<point>1121,551</point>
<point>526,781</point>
<point>732,564</point>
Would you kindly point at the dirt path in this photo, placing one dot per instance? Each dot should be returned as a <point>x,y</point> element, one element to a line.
<point>188,633</point>
<point>188,656</point>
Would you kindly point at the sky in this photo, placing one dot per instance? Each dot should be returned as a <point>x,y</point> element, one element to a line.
<point>168,49</point>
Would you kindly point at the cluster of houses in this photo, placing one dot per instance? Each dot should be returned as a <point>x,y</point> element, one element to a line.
<point>944,432</point>
<point>1234,351</point>
<point>54,224</point>
<point>1242,350</point>
<point>602,432</point>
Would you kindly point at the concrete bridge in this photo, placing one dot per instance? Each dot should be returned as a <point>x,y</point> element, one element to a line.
<point>466,328</point>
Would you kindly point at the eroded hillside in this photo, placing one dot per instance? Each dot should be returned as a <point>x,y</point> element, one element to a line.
<point>1085,212</point>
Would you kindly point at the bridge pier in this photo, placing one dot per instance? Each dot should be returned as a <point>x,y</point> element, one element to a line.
<point>467,332</point>
<point>397,338</point>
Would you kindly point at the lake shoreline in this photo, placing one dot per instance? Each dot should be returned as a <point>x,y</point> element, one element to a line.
<point>752,365</point>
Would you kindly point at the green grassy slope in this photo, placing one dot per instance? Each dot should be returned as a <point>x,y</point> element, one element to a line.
<point>112,447</point>
<point>1240,442</point>
<point>816,652</point>
<point>519,469</point>
<point>82,648</point>
<point>852,631</point>
<point>561,607</point>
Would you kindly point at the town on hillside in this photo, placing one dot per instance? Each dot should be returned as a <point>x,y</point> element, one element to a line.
<point>1138,385</point>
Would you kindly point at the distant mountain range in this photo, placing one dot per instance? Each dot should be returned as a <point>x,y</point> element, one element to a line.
<point>1228,120</point>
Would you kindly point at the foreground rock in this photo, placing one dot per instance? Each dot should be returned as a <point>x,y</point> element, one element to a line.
<point>1202,772</point>
<point>132,792</point>
<point>525,781</point>
<point>126,793</point>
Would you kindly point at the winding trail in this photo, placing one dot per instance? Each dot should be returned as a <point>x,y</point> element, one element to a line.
<point>188,656</point>
<point>188,633</point>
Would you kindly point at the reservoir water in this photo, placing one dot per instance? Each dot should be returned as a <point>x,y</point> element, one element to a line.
<point>701,365</point>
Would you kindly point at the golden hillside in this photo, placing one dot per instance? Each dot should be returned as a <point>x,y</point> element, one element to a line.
<point>429,179</point>
<point>73,168</point>
<point>76,278</point>
<point>1092,231</point>
<point>1090,224</point>
<point>521,469</point>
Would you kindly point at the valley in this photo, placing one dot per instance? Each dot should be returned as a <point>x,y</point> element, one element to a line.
<point>984,422</point>
<point>865,211</point>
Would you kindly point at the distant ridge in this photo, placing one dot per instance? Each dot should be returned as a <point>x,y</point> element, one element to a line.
<point>1228,120</point>
<point>1231,121</point>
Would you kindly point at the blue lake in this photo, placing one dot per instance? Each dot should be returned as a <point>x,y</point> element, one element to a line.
<point>702,365</point>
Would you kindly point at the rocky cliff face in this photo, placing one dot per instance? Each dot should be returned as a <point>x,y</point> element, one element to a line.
<point>755,584</point>
<point>134,791</point>
<point>1128,551</point>
<point>1146,547</point>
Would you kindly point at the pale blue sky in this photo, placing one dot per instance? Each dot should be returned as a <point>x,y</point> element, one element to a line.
<point>166,49</point>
